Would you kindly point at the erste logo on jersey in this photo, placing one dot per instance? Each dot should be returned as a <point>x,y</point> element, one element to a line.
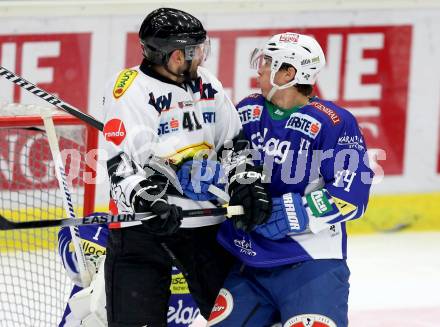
<point>224,303</point>
<point>114,131</point>
<point>125,78</point>
<point>305,124</point>
<point>250,113</point>
<point>310,320</point>
<point>168,126</point>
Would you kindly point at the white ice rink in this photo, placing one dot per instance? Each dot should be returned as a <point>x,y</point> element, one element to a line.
<point>395,281</point>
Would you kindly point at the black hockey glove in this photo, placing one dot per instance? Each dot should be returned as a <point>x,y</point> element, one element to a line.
<point>149,196</point>
<point>246,189</point>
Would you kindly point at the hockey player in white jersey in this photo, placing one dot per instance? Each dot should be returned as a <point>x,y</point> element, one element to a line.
<point>168,108</point>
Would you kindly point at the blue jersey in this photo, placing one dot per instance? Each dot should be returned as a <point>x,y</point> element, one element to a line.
<point>318,152</point>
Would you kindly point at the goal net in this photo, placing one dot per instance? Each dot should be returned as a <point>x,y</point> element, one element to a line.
<point>33,284</point>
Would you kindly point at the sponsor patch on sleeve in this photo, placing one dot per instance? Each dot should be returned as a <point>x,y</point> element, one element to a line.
<point>114,131</point>
<point>329,112</point>
<point>344,207</point>
<point>318,203</point>
<point>125,78</point>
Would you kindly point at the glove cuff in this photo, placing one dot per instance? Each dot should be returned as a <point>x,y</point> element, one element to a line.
<point>295,212</point>
<point>246,174</point>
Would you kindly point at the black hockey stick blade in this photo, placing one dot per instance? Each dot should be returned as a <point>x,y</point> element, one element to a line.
<point>6,224</point>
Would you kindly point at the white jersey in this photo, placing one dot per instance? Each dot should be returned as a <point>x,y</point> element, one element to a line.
<point>148,115</point>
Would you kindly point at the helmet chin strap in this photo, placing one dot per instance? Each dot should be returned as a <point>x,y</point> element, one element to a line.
<point>276,87</point>
<point>272,92</point>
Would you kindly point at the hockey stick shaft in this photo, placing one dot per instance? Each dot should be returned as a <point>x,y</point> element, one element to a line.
<point>50,98</point>
<point>6,224</point>
<point>60,173</point>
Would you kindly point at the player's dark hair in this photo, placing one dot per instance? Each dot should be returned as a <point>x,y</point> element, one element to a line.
<point>304,89</point>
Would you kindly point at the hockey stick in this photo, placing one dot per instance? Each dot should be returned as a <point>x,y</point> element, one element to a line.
<point>50,98</point>
<point>6,224</point>
<point>60,173</point>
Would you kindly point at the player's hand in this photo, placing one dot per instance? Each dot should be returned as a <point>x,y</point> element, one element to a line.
<point>288,216</point>
<point>246,189</point>
<point>150,196</point>
<point>195,177</point>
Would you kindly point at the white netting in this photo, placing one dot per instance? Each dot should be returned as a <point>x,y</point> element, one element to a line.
<point>33,285</point>
<point>26,110</point>
<point>18,109</point>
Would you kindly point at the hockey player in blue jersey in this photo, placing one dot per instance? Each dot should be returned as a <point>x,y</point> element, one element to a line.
<point>182,309</point>
<point>293,265</point>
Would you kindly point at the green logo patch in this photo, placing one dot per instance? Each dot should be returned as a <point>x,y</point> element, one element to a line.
<point>318,203</point>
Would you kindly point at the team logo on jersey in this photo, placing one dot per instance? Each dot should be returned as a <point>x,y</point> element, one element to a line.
<point>114,131</point>
<point>310,320</point>
<point>329,112</point>
<point>125,78</point>
<point>222,307</point>
<point>304,123</point>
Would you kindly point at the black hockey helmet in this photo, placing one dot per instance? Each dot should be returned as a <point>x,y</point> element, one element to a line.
<point>165,30</point>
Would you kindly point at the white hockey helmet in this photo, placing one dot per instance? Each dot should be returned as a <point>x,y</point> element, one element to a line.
<point>303,52</point>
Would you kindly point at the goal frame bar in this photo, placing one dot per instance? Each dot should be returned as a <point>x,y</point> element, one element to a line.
<point>60,119</point>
